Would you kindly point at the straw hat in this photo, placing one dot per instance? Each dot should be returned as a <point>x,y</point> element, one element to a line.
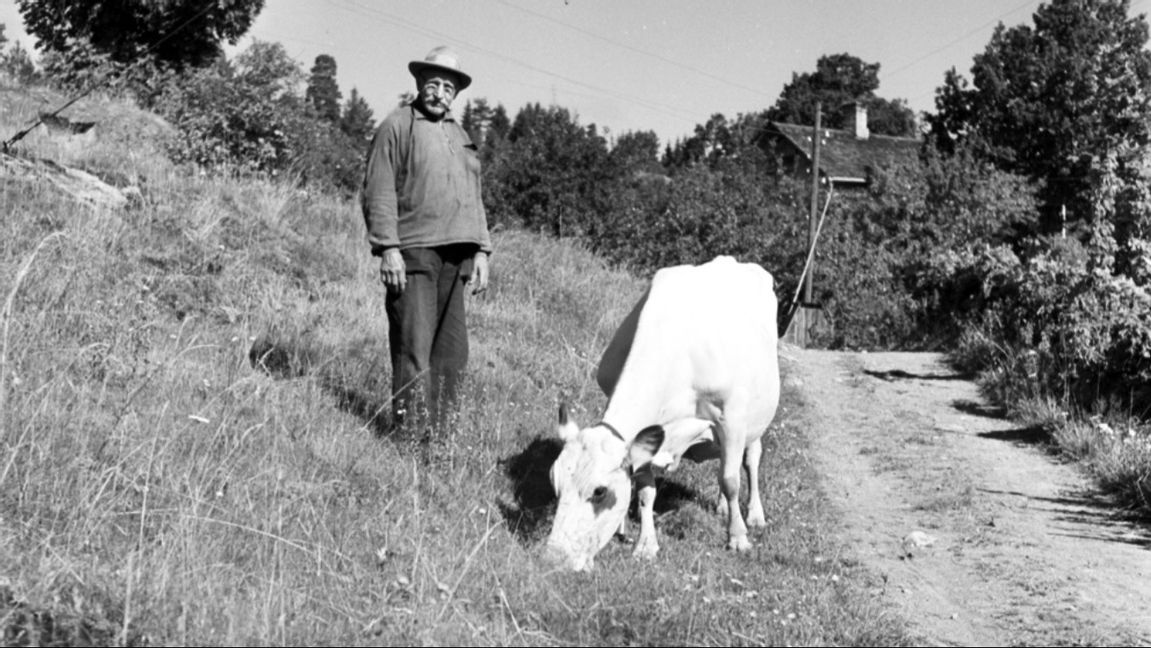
<point>441,59</point>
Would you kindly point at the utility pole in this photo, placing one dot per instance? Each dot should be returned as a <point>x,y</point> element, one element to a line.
<point>813,214</point>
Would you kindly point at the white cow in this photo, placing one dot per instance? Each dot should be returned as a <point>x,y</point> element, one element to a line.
<point>692,371</point>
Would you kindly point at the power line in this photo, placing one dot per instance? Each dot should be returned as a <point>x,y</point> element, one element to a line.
<point>659,57</point>
<point>371,11</point>
<point>965,36</point>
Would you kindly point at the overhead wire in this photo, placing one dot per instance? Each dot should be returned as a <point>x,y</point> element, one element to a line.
<point>630,48</point>
<point>375,12</point>
<point>955,41</point>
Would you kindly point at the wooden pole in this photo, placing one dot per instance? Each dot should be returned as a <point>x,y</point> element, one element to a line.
<point>814,213</point>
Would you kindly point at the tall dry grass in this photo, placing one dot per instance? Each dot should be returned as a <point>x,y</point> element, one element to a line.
<point>158,487</point>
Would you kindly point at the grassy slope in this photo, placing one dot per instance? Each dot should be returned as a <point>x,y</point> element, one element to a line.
<point>156,488</point>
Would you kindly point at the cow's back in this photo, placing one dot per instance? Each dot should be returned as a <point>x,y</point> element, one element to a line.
<point>713,325</point>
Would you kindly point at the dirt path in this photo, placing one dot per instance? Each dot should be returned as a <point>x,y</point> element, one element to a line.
<point>980,537</point>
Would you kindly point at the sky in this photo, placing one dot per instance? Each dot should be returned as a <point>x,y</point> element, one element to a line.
<point>632,65</point>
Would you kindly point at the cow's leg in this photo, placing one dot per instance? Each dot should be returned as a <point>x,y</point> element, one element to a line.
<point>751,457</point>
<point>731,443</point>
<point>646,546</point>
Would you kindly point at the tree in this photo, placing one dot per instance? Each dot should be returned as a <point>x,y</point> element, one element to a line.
<point>838,81</point>
<point>174,33</point>
<point>1055,101</point>
<point>637,152</point>
<point>18,65</point>
<point>323,91</point>
<point>244,114</point>
<point>551,174</point>
<point>358,121</point>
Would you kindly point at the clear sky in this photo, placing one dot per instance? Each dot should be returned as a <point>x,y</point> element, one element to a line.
<point>627,65</point>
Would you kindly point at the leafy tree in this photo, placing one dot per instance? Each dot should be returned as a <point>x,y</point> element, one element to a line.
<point>323,91</point>
<point>240,114</point>
<point>637,152</point>
<point>840,80</point>
<point>551,174</point>
<point>1056,100</point>
<point>181,33</point>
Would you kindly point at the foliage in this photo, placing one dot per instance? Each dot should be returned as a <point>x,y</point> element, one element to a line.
<point>174,33</point>
<point>323,92</point>
<point>1083,333</point>
<point>550,175</point>
<point>18,65</point>
<point>839,81</point>
<point>241,114</point>
<point>1053,100</point>
<point>249,116</point>
<point>714,140</point>
<point>357,120</point>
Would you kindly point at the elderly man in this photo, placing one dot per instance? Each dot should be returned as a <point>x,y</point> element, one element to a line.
<point>426,222</point>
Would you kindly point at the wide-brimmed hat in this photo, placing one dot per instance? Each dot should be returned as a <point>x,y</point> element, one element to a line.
<point>442,59</point>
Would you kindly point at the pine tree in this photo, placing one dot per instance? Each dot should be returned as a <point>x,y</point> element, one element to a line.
<point>357,122</point>
<point>323,91</point>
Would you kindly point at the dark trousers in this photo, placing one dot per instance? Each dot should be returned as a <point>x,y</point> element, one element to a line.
<point>427,334</point>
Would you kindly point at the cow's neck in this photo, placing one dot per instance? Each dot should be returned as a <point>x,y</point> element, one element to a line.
<point>637,404</point>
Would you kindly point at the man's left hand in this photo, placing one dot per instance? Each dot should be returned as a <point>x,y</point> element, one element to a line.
<point>479,277</point>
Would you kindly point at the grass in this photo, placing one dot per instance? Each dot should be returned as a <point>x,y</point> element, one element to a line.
<point>1112,444</point>
<point>159,487</point>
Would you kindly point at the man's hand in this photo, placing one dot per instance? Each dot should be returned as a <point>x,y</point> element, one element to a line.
<point>392,270</point>
<point>479,276</point>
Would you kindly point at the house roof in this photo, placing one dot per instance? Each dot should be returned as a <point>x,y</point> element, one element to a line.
<point>846,158</point>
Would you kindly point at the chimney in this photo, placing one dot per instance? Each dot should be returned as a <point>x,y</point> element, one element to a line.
<point>859,121</point>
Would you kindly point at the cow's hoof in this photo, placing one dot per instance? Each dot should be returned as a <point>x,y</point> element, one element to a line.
<point>756,521</point>
<point>739,545</point>
<point>645,550</point>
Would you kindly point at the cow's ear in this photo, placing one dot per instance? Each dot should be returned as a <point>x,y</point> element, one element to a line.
<point>645,445</point>
<point>566,430</point>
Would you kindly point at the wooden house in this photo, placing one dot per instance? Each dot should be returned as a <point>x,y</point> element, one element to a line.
<point>848,157</point>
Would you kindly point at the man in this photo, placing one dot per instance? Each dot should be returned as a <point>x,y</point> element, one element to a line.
<point>426,222</point>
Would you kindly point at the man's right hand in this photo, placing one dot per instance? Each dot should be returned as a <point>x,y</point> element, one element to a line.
<point>392,270</point>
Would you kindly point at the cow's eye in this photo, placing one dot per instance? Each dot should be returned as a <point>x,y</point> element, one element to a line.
<point>598,495</point>
<point>602,498</point>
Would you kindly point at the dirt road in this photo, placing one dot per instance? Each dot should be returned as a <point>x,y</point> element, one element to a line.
<point>978,536</point>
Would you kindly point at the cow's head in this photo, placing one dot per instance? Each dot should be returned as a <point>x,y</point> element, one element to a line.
<point>592,478</point>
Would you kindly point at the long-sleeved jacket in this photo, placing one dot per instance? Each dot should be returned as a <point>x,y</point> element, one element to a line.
<point>422,184</point>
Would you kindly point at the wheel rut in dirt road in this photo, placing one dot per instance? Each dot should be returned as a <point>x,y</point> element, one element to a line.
<point>978,536</point>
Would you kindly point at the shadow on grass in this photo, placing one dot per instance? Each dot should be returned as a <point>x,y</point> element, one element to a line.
<point>287,360</point>
<point>1031,435</point>
<point>1094,516</point>
<point>976,408</point>
<point>529,515</point>
<point>534,499</point>
<point>900,374</point>
<point>22,625</point>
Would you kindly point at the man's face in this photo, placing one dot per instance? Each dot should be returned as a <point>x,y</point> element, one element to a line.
<point>437,90</point>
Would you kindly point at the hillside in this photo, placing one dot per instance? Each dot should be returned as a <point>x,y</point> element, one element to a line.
<point>189,450</point>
